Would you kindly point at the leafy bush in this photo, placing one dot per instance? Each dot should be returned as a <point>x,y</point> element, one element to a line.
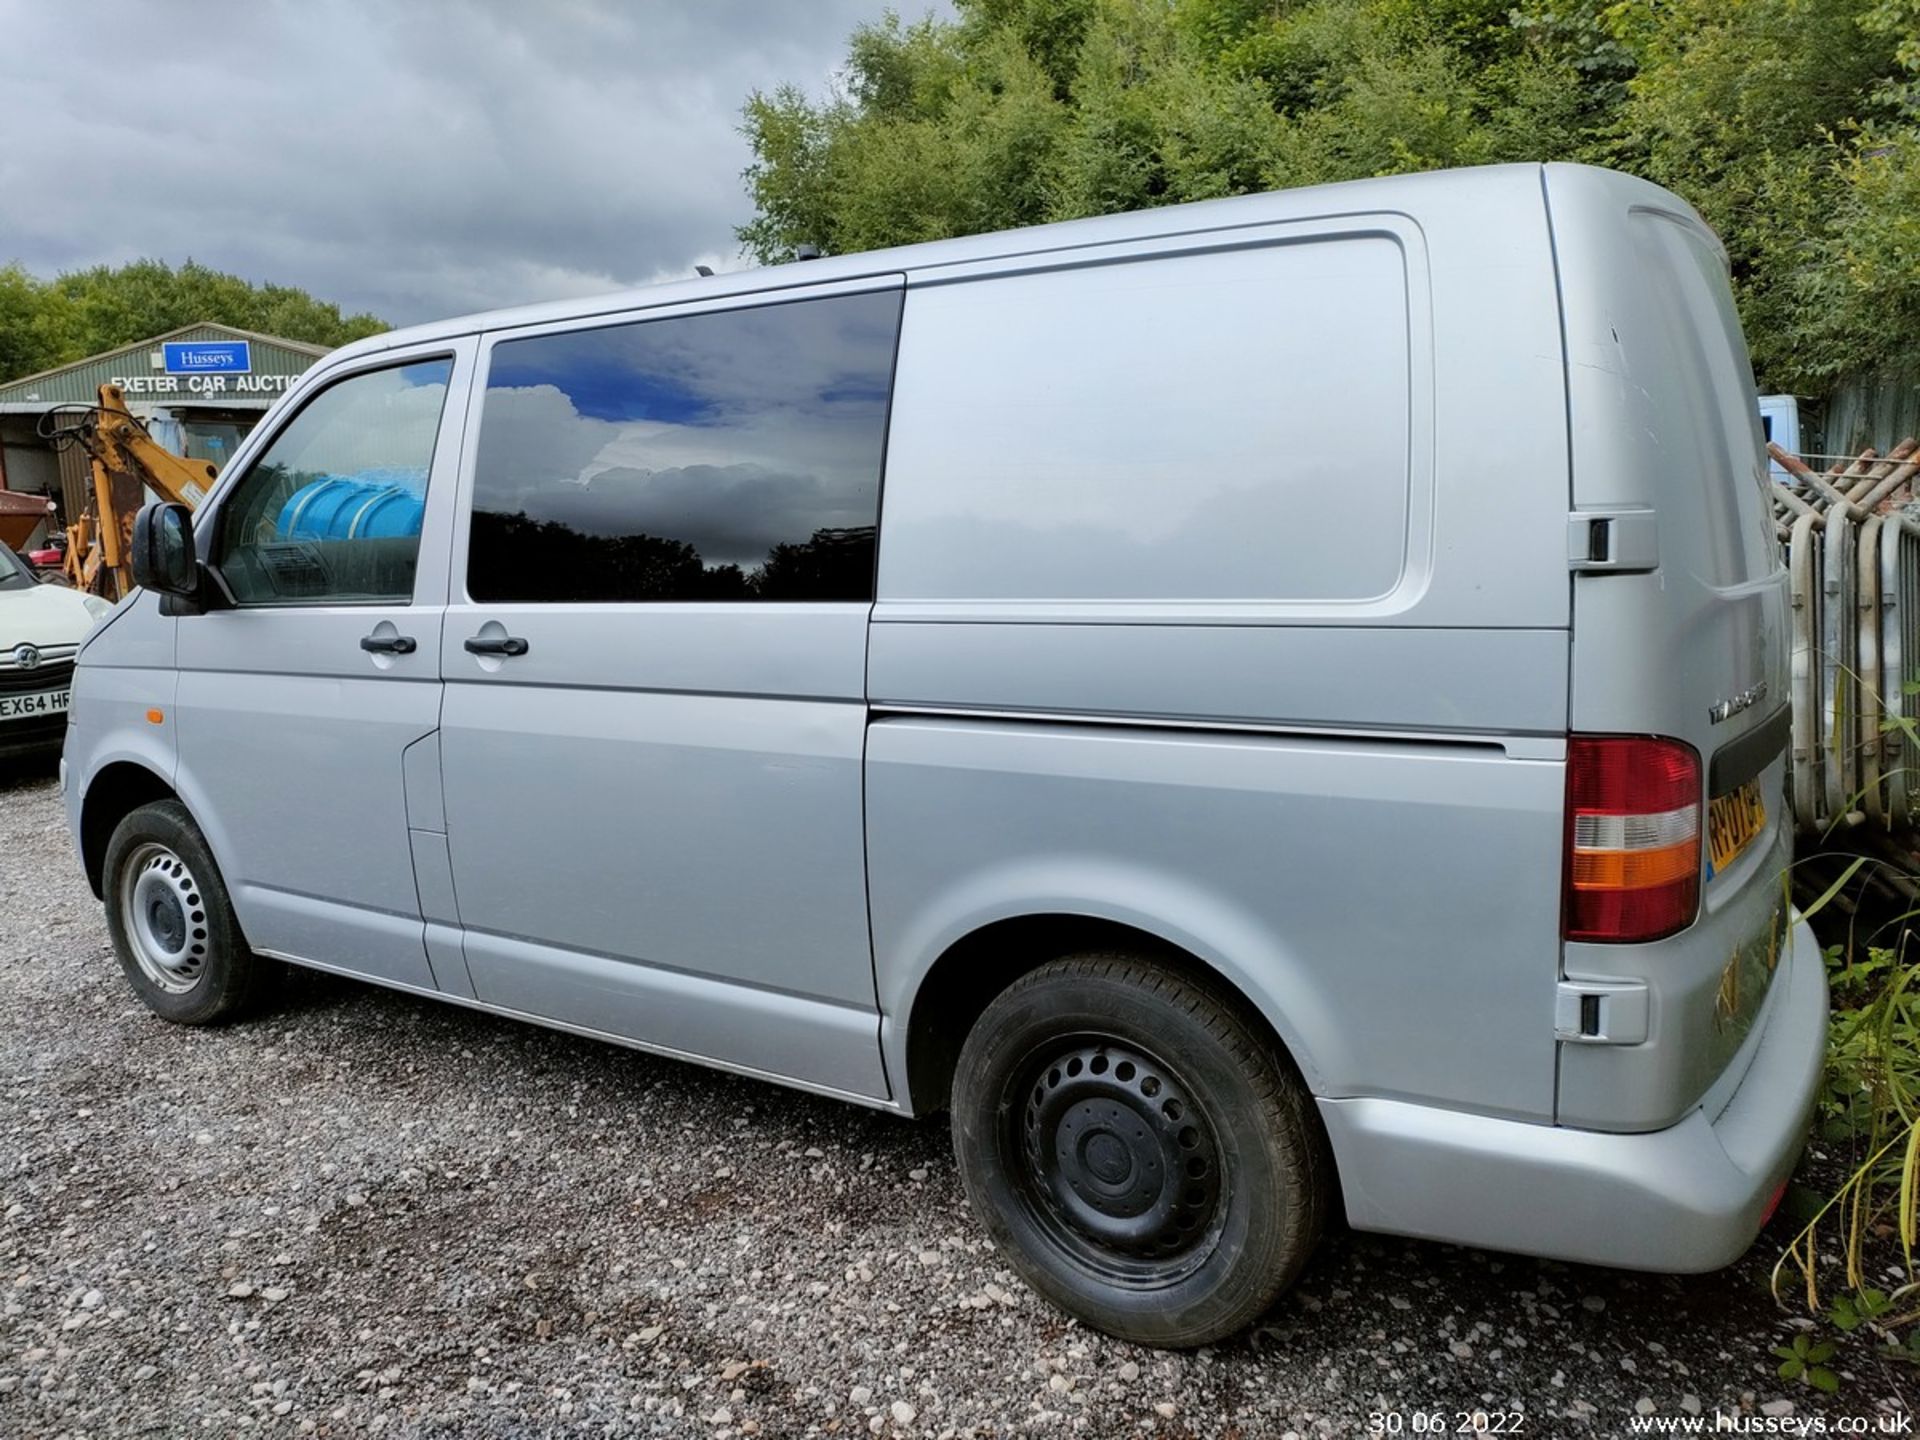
<point>1868,1116</point>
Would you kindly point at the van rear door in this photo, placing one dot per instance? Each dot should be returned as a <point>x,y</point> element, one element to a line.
<point>1680,629</point>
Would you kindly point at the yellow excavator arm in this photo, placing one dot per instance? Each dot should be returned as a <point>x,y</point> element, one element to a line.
<point>125,462</point>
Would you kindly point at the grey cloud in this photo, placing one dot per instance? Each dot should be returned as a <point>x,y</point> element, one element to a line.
<point>532,437</point>
<point>417,160</point>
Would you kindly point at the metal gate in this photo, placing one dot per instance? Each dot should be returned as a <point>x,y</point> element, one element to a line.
<point>1853,556</point>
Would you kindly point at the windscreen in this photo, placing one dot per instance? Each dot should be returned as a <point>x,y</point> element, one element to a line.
<point>14,574</point>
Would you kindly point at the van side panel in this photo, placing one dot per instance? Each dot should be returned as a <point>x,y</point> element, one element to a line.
<point>1211,603</point>
<point>1175,436</point>
<point>127,671</point>
<point>1382,903</point>
<point>1156,433</point>
<point>1353,677</point>
<point>1664,417</point>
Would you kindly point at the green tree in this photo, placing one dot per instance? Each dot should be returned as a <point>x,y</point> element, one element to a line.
<point>1791,124</point>
<point>1755,112</point>
<point>32,324</point>
<point>44,323</point>
<point>1855,299</point>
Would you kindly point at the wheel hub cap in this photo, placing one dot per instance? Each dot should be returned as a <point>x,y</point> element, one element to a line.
<point>1116,1152</point>
<point>164,917</point>
<point>167,921</point>
<point>1106,1158</point>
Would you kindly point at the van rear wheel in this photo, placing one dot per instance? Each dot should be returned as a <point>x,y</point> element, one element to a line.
<point>171,922</point>
<point>1128,1136</point>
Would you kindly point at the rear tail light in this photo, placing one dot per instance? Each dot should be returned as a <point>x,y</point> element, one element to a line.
<point>1633,838</point>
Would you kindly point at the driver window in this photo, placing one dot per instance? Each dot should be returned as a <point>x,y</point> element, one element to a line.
<point>331,510</point>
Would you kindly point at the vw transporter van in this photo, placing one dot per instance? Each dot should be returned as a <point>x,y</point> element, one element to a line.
<point>1253,707</point>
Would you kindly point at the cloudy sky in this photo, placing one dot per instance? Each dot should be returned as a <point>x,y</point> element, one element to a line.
<point>415,159</point>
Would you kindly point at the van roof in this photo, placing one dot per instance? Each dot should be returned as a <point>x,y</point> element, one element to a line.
<point>1406,193</point>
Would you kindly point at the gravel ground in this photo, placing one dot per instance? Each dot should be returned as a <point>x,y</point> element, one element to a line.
<point>370,1213</point>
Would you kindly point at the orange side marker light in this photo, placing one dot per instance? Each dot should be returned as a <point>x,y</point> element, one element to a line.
<point>156,717</point>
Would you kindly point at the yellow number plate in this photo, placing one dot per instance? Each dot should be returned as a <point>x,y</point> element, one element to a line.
<point>1733,820</point>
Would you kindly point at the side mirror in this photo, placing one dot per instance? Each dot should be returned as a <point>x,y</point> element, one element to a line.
<point>163,557</point>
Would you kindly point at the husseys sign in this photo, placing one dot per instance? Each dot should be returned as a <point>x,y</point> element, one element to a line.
<point>207,357</point>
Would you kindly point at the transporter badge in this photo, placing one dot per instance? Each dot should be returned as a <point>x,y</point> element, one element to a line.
<point>1726,709</point>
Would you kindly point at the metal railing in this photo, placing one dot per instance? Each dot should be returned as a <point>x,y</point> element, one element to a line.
<point>1852,538</point>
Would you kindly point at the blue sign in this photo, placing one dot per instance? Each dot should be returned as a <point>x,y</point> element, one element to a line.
<point>208,357</point>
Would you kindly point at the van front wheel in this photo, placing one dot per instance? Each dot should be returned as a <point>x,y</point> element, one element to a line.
<point>1129,1138</point>
<point>171,922</point>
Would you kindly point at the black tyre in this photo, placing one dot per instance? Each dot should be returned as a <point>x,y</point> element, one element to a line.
<point>1130,1139</point>
<point>172,923</point>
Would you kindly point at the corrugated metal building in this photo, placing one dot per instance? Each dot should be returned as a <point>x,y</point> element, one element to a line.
<point>200,389</point>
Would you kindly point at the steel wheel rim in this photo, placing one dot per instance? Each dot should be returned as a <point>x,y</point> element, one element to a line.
<point>164,917</point>
<point>1115,1162</point>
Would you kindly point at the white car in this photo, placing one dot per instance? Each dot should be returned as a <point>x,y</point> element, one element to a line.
<point>41,627</point>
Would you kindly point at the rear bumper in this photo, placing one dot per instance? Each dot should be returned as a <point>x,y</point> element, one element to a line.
<point>1687,1198</point>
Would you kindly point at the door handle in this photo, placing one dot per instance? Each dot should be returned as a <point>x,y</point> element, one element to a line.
<point>496,645</point>
<point>388,644</point>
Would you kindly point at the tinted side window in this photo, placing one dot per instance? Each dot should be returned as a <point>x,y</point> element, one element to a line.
<point>725,456</point>
<point>331,511</point>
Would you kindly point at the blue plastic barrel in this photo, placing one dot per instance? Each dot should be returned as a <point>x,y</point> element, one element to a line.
<point>369,505</point>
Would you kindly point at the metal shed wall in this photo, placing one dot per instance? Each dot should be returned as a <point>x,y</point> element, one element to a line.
<point>80,382</point>
<point>1878,410</point>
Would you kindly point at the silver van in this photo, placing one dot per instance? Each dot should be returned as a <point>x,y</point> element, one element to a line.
<point>1252,707</point>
